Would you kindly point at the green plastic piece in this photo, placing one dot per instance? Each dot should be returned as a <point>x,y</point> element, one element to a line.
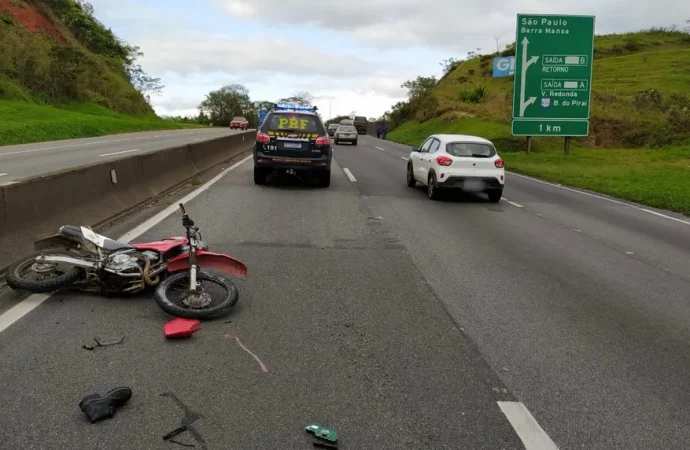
<point>323,433</point>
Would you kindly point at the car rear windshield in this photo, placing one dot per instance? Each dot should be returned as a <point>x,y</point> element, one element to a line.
<point>238,119</point>
<point>300,123</point>
<point>333,125</point>
<point>347,129</point>
<point>360,119</point>
<point>471,149</point>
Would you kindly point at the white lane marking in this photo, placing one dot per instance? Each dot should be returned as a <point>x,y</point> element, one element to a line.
<point>155,220</point>
<point>604,198</point>
<point>123,151</point>
<point>31,302</point>
<point>402,157</point>
<point>527,428</point>
<point>578,231</point>
<point>2,174</point>
<point>517,205</point>
<point>92,143</point>
<point>379,148</point>
<point>629,253</point>
<point>21,309</point>
<point>349,174</point>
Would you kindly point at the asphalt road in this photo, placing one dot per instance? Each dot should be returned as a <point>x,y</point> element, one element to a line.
<point>21,161</point>
<point>398,321</point>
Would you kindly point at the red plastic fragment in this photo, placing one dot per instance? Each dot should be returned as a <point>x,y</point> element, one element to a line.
<point>179,327</point>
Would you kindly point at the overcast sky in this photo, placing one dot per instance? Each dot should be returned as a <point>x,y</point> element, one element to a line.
<point>351,55</point>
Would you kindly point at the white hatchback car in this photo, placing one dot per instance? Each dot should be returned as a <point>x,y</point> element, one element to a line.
<point>468,163</point>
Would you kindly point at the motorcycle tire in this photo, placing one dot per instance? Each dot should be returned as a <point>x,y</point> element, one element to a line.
<point>166,304</point>
<point>16,282</point>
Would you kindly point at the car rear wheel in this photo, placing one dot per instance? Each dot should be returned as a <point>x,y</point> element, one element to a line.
<point>260,175</point>
<point>495,196</point>
<point>431,187</point>
<point>325,178</point>
<point>355,143</point>
<point>411,182</point>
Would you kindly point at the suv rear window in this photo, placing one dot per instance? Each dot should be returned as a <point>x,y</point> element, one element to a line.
<point>470,149</point>
<point>300,123</point>
<point>347,129</point>
<point>333,125</point>
<point>360,119</point>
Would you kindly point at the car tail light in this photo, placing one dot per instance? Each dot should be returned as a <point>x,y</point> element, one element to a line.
<point>498,163</point>
<point>324,140</point>
<point>444,161</point>
<point>261,137</point>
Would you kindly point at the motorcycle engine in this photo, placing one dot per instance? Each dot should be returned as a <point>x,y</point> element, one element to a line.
<point>122,262</point>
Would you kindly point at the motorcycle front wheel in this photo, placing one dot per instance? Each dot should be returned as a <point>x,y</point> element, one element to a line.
<point>174,297</point>
<point>27,274</point>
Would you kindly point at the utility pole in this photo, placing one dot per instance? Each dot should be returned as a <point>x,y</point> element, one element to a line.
<point>497,48</point>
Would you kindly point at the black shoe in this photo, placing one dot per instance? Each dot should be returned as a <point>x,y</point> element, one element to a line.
<point>96,407</point>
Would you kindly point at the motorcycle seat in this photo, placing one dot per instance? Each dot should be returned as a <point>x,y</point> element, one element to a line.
<point>109,245</point>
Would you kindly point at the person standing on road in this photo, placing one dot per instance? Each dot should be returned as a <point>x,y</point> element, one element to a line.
<point>384,131</point>
<point>378,131</point>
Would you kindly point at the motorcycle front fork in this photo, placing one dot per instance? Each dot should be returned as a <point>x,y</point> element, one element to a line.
<point>192,278</point>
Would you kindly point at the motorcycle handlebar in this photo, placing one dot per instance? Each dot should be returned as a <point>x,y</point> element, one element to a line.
<point>182,209</point>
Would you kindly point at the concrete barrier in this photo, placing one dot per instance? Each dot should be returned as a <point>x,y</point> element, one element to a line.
<point>92,194</point>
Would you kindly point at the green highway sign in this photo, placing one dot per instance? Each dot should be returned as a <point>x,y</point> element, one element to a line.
<point>553,75</point>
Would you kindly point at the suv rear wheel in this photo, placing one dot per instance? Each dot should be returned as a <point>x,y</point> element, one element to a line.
<point>325,178</point>
<point>260,175</point>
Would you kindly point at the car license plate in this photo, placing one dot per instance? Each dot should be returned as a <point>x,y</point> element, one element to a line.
<point>292,145</point>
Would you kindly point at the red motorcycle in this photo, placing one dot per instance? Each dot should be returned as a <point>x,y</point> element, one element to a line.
<point>78,258</point>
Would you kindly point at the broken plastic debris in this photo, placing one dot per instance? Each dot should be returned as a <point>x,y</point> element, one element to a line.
<point>323,433</point>
<point>179,327</point>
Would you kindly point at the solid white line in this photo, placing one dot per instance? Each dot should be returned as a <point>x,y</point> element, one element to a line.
<point>21,309</point>
<point>124,151</point>
<point>517,205</point>
<point>526,427</point>
<point>603,198</point>
<point>31,302</point>
<point>349,174</point>
<point>155,220</point>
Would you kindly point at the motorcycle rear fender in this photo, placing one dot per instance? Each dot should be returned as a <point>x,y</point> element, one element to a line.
<point>209,260</point>
<point>53,241</point>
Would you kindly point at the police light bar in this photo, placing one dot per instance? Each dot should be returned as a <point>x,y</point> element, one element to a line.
<point>294,108</point>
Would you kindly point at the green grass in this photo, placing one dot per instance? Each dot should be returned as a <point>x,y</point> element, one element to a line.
<point>624,65</point>
<point>654,177</point>
<point>23,122</point>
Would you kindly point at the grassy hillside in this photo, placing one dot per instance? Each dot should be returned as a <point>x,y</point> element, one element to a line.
<point>640,99</point>
<point>64,75</point>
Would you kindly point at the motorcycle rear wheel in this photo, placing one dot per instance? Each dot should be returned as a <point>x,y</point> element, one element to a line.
<point>17,281</point>
<point>180,281</point>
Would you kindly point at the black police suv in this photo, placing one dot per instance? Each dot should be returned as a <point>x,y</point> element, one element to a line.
<point>294,140</point>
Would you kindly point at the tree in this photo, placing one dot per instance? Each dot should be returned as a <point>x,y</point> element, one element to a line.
<point>222,104</point>
<point>141,80</point>
<point>419,88</point>
<point>449,64</point>
<point>299,98</point>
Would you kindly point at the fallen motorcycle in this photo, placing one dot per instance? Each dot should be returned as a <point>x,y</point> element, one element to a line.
<point>78,258</point>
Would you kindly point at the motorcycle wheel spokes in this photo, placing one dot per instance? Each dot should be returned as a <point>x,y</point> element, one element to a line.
<point>215,295</point>
<point>36,276</point>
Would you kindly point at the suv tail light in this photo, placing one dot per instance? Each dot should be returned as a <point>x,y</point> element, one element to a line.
<point>264,138</point>
<point>444,161</point>
<point>498,163</point>
<point>324,140</point>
